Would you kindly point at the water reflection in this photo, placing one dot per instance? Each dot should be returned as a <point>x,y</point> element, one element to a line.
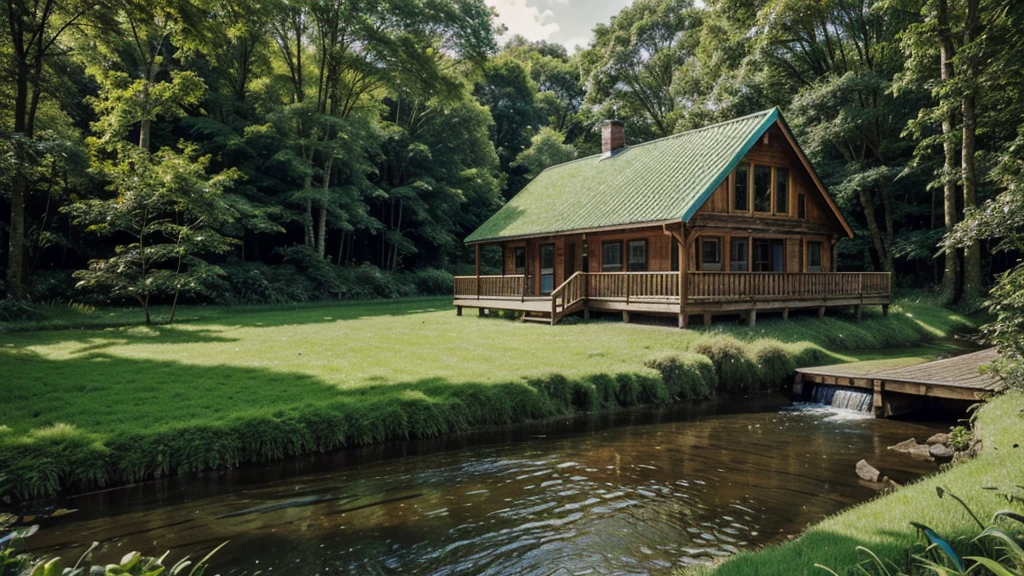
<point>674,487</point>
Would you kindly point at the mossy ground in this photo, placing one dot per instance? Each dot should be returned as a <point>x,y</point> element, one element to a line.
<point>883,524</point>
<point>91,407</point>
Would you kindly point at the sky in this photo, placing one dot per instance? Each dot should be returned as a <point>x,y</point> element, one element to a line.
<point>567,22</point>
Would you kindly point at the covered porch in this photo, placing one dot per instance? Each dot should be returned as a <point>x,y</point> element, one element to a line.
<point>705,294</point>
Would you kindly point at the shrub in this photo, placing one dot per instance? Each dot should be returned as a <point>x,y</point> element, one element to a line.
<point>12,310</point>
<point>773,361</point>
<point>736,373</point>
<point>686,376</point>
<point>432,282</point>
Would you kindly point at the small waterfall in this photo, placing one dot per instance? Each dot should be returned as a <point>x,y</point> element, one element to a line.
<point>845,398</point>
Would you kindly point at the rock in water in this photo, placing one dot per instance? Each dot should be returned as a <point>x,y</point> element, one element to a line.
<point>940,438</point>
<point>940,452</point>
<point>921,452</point>
<point>867,471</point>
<point>905,446</point>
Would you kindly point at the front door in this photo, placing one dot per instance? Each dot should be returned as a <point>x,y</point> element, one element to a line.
<point>547,268</point>
<point>570,260</point>
<point>769,256</point>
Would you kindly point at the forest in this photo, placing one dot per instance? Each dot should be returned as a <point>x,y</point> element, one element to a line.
<point>265,151</point>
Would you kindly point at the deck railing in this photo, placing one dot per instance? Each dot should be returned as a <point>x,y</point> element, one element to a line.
<point>510,286</point>
<point>701,286</point>
<point>630,286</point>
<point>569,293</point>
<point>724,286</point>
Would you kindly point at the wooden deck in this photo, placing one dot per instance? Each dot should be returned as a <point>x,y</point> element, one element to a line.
<point>657,293</point>
<point>957,378</point>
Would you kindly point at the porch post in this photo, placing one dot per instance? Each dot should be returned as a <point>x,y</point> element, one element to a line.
<point>477,246</point>
<point>683,263</point>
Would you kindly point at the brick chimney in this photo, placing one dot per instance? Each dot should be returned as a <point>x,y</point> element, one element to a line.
<point>613,136</point>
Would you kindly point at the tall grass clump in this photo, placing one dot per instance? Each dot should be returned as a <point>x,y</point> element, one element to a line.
<point>773,361</point>
<point>736,372</point>
<point>686,376</point>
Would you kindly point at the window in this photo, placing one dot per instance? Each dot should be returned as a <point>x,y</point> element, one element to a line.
<point>801,206</point>
<point>781,191</point>
<point>519,260</point>
<point>637,255</point>
<point>611,256</point>
<point>814,256</point>
<point>740,196</point>
<point>739,254</point>
<point>674,255</point>
<point>547,268</point>
<point>762,189</point>
<point>710,254</point>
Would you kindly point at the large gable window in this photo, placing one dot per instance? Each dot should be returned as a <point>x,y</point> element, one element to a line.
<point>741,189</point>
<point>781,191</point>
<point>762,189</point>
<point>611,256</point>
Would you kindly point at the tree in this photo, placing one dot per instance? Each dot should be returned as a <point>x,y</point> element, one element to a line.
<point>33,30</point>
<point>547,148</point>
<point>510,96</point>
<point>632,62</point>
<point>164,215</point>
<point>840,58</point>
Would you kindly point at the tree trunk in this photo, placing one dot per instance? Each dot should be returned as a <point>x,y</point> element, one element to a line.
<point>951,268</point>
<point>321,245</point>
<point>973,286</point>
<point>876,235</point>
<point>887,208</point>
<point>16,246</point>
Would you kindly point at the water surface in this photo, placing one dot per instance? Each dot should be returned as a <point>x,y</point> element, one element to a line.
<point>638,492</point>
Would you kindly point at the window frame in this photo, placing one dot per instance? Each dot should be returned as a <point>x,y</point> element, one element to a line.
<point>604,252</point>
<point>712,265</point>
<point>753,188</point>
<point>746,166</point>
<point>629,255</point>
<point>776,196</point>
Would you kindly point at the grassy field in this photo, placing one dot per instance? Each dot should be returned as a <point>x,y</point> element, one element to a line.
<point>102,405</point>
<point>883,525</point>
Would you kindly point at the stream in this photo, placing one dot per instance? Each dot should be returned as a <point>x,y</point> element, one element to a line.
<point>635,492</point>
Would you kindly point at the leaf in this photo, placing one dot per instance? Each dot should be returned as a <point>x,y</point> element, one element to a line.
<point>941,544</point>
<point>991,565</point>
<point>1008,514</point>
<point>826,569</point>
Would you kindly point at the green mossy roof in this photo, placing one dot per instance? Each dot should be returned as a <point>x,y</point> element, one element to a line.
<point>658,181</point>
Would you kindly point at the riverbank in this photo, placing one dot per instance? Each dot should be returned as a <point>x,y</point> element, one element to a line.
<point>99,407</point>
<point>883,524</point>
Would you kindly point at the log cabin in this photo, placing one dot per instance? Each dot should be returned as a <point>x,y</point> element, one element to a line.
<point>730,218</point>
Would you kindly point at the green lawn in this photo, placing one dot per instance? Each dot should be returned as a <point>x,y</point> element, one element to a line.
<point>86,407</point>
<point>883,525</point>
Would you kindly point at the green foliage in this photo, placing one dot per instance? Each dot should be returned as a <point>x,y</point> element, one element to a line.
<point>960,438</point>
<point>547,148</point>
<point>131,564</point>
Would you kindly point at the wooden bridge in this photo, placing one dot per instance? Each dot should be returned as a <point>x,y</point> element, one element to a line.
<point>957,378</point>
<point>706,293</point>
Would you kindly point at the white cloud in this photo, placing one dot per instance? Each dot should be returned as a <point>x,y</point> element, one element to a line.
<point>528,21</point>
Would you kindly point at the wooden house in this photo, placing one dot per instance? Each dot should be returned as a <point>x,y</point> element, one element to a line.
<point>725,219</point>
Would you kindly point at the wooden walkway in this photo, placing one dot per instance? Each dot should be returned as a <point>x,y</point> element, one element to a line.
<point>957,378</point>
